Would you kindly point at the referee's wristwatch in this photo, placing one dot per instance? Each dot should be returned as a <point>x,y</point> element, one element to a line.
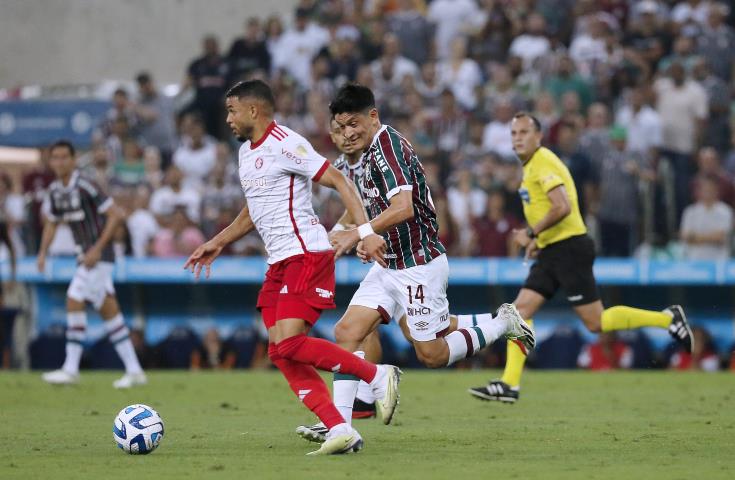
<point>530,233</point>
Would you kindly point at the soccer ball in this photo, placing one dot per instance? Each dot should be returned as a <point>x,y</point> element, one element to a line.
<point>138,429</point>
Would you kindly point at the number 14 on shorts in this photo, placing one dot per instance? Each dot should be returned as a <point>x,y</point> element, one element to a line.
<point>419,293</point>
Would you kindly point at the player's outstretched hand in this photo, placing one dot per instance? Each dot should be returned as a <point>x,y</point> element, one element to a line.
<point>344,241</point>
<point>374,246</point>
<point>203,257</point>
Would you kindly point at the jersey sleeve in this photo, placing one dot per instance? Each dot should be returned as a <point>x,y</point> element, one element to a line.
<point>398,155</point>
<point>300,158</point>
<point>99,198</point>
<point>46,209</point>
<point>548,176</point>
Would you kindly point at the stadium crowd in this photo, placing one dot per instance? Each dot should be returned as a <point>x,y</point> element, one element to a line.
<point>636,97</point>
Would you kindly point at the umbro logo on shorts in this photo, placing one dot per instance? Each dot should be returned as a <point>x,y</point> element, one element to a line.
<point>421,325</point>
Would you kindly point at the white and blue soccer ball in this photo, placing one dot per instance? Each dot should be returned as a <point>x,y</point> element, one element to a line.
<point>138,429</point>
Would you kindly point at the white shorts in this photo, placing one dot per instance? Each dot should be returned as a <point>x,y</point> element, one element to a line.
<point>420,292</point>
<point>92,285</point>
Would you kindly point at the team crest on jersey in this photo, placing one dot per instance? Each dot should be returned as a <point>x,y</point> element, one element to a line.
<point>259,162</point>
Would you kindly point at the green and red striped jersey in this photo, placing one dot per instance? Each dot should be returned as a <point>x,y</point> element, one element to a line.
<point>390,165</point>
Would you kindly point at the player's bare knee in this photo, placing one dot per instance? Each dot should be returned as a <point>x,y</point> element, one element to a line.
<point>348,333</point>
<point>431,356</point>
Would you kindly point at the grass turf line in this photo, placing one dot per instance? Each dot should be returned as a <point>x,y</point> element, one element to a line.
<point>240,425</point>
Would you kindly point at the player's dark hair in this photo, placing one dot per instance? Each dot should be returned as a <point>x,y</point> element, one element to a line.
<point>352,98</point>
<point>252,88</point>
<point>534,120</point>
<point>63,144</point>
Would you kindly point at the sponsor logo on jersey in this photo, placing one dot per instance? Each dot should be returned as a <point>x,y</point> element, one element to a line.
<point>74,216</point>
<point>523,192</point>
<point>324,293</point>
<point>254,182</point>
<point>292,156</point>
<point>416,311</point>
<point>382,164</point>
<point>371,192</point>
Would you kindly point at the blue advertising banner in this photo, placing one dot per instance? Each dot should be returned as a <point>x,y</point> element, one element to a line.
<point>35,123</point>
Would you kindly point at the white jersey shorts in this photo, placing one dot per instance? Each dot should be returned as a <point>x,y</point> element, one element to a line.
<point>420,292</point>
<point>92,285</point>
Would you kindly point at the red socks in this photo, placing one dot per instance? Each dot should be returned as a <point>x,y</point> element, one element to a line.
<point>326,355</point>
<point>309,386</point>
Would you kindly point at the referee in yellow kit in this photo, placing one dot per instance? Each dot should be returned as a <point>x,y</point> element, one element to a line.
<point>557,238</point>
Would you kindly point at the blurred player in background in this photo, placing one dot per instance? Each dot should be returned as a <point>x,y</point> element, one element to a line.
<point>5,239</point>
<point>277,167</point>
<point>557,237</point>
<point>93,219</point>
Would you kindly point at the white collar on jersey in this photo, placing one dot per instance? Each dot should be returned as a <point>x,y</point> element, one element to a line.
<point>72,180</point>
<point>380,130</point>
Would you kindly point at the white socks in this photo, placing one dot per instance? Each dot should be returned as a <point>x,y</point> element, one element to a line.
<point>76,333</point>
<point>473,333</point>
<point>365,393</point>
<point>345,390</point>
<point>119,336</point>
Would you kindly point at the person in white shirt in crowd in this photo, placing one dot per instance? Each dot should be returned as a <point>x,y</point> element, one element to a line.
<point>297,47</point>
<point>466,203</point>
<point>707,225</point>
<point>196,156</point>
<point>643,124</point>
<point>691,11</point>
<point>461,74</point>
<point>453,18</point>
<point>392,67</point>
<point>141,223</point>
<point>496,137</point>
<point>533,43</point>
<point>589,50</point>
<point>165,199</point>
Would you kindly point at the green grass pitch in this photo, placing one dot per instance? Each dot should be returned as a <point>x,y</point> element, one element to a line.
<point>567,425</point>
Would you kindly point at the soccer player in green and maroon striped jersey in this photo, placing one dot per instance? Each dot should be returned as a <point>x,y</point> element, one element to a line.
<point>411,270</point>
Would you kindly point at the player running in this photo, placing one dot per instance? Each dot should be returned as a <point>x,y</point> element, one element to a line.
<point>277,167</point>
<point>93,219</point>
<point>411,276</point>
<point>557,237</point>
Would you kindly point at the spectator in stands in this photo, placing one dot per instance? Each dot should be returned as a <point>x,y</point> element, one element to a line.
<point>472,150</point>
<point>35,183</point>
<point>492,231</point>
<point>466,202</point>
<point>391,67</point>
<point>119,134</point>
<point>607,353</point>
<point>716,43</point>
<point>703,357</point>
<point>173,193</point>
<point>208,75</point>
<point>707,225</point>
<point>617,211</point>
<point>343,56</point>
<point>491,42</point>
<point>452,18</point>
<point>122,107</point>
<point>141,223</point>
<point>297,47</point>
<point>213,353</point>
<point>588,50</point>
<point>196,156</point>
<point>414,32</point>
<point>273,32</point>
<point>730,159</point>
<point>567,79</point>
<point>708,166</point>
<point>580,166</point>
<point>222,192</point>
<point>682,105</point>
<point>643,124</point>
<point>429,86</point>
<point>595,138</point>
<point>461,74</point>
<point>533,43</point>
<point>683,53</point>
<point>153,167</point>
<point>156,115</point>
<point>130,170</point>
<point>503,89</point>
<point>717,129</point>
<point>179,238</point>
<point>448,125</point>
<point>248,53</point>
<point>496,137</point>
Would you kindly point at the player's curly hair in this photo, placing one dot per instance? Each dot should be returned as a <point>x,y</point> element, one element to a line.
<point>352,98</point>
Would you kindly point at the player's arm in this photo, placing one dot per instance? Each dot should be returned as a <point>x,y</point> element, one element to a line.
<point>560,208</point>
<point>47,236</point>
<point>113,218</point>
<point>5,238</point>
<point>346,240</point>
<point>206,253</point>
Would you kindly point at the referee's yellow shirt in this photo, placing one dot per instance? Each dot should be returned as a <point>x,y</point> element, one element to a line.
<point>541,174</point>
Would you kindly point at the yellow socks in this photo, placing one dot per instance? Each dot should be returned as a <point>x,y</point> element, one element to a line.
<point>514,362</point>
<point>626,318</point>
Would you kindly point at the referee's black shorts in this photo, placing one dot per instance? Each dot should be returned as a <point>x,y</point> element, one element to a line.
<point>566,264</point>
